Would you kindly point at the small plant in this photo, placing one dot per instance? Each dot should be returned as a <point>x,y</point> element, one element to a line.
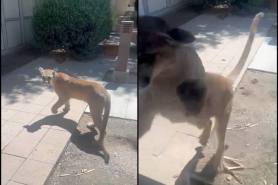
<point>77,26</point>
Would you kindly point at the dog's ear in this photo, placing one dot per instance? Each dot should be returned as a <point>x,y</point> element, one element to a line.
<point>181,36</point>
<point>172,38</point>
<point>159,40</point>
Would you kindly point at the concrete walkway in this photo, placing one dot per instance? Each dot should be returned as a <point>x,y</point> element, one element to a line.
<point>219,44</point>
<point>29,154</point>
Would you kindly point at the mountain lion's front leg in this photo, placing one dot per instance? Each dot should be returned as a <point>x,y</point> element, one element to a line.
<point>67,106</point>
<point>58,104</point>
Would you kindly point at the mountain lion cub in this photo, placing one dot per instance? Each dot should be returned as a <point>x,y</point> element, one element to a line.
<point>93,93</point>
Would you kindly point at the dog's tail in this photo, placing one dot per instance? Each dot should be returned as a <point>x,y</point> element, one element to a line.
<point>253,28</point>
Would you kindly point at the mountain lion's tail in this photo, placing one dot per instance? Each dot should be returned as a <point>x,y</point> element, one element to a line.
<point>106,110</point>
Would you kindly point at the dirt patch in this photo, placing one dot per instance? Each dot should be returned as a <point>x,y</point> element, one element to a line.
<point>121,143</point>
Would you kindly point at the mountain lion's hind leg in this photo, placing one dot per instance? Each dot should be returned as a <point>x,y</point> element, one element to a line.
<point>96,114</point>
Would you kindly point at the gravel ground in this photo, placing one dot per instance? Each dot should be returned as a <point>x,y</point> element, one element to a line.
<point>80,154</point>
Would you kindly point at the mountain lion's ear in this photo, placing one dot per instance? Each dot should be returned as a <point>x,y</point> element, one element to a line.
<point>40,69</point>
<point>181,36</point>
<point>53,73</point>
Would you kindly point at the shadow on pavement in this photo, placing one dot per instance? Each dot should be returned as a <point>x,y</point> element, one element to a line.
<point>85,142</point>
<point>143,180</point>
<point>188,174</point>
<point>205,177</point>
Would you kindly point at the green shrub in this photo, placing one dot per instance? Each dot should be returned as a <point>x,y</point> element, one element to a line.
<point>74,25</point>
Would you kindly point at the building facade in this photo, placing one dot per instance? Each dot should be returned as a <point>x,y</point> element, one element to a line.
<point>16,25</point>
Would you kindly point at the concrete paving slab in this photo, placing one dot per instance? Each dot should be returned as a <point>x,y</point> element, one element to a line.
<point>167,147</point>
<point>118,106</point>
<point>48,153</point>
<point>76,109</point>
<point>76,105</point>
<point>74,115</point>
<point>167,166</point>
<point>57,137</point>
<point>9,166</point>
<point>50,147</point>
<point>214,36</point>
<point>24,143</point>
<point>22,118</point>
<point>8,132</point>
<point>131,112</point>
<point>13,183</point>
<point>44,98</point>
<point>266,57</point>
<point>32,172</point>
<point>7,113</point>
<point>157,144</point>
<point>47,109</point>
<point>25,107</point>
<point>257,43</point>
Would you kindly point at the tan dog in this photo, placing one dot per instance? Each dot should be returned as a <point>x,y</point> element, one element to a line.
<point>178,93</point>
<point>93,93</point>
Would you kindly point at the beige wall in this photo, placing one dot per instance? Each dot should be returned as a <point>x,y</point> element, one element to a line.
<point>16,29</point>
